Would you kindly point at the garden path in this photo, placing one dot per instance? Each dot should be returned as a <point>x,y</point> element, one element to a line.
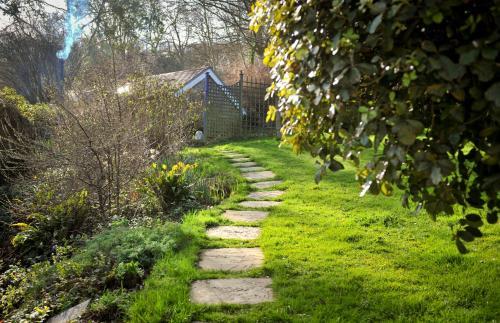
<point>239,290</point>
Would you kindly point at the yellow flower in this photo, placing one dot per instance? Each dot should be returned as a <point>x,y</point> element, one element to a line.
<point>154,165</point>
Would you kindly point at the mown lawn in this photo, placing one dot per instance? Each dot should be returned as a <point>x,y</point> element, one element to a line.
<point>333,256</point>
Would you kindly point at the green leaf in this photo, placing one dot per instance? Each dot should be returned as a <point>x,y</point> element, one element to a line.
<point>378,7</point>
<point>450,71</point>
<point>465,236</point>
<point>354,75</point>
<point>429,46</point>
<point>408,130</point>
<point>492,217</point>
<point>473,217</point>
<point>407,135</point>
<point>417,125</point>
<point>474,220</point>
<point>489,53</point>
<point>474,231</point>
<point>460,246</point>
<point>468,57</point>
<point>484,70</point>
<point>493,94</point>
<point>301,53</point>
<point>375,23</point>
<point>320,173</point>
<point>363,109</point>
<point>437,17</point>
<point>335,165</point>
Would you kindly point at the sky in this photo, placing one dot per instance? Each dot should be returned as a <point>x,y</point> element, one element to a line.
<point>57,3</point>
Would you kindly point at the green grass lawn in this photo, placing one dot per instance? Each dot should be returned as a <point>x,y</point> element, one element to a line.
<point>333,256</point>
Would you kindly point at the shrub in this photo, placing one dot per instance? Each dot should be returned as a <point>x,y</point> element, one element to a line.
<point>23,298</point>
<point>103,140</point>
<point>117,258</point>
<point>171,186</point>
<point>128,274</point>
<point>16,136</point>
<point>43,223</point>
<point>143,245</point>
<point>173,118</point>
<point>189,184</point>
<point>214,188</point>
<point>109,307</point>
<point>41,115</point>
<point>211,185</point>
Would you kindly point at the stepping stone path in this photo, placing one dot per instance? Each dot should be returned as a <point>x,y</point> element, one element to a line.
<point>233,156</point>
<point>232,291</point>
<point>252,169</point>
<point>245,164</point>
<point>234,232</point>
<point>240,160</point>
<point>245,216</point>
<point>257,176</point>
<point>231,259</point>
<point>259,204</point>
<point>264,195</point>
<point>239,290</point>
<point>262,185</point>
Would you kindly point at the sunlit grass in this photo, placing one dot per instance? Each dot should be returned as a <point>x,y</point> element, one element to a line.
<point>333,256</point>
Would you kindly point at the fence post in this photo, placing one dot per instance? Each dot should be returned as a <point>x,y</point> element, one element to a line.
<point>241,101</point>
<point>278,124</point>
<point>205,103</point>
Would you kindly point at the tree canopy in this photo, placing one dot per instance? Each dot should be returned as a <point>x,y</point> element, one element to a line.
<point>416,81</point>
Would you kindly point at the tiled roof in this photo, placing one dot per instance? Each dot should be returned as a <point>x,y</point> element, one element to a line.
<point>181,77</point>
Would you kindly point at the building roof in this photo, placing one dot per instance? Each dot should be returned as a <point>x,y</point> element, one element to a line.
<point>187,79</point>
<point>181,77</point>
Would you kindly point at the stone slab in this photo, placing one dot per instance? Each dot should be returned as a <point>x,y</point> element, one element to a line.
<point>70,314</point>
<point>256,176</point>
<point>232,291</point>
<point>245,164</point>
<point>235,155</point>
<point>259,204</point>
<point>231,259</point>
<point>240,160</point>
<point>264,195</point>
<point>252,169</point>
<point>234,232</point>
<point>263,185</point>
<point>245,216</point>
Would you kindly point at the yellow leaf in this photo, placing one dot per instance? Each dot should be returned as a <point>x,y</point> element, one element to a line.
<point>271,114</point>
<point>22,226</point>
<point>459,95</point>
<point>386,189</point>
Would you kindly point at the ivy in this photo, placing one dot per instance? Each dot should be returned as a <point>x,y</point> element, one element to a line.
<point>418,81</point>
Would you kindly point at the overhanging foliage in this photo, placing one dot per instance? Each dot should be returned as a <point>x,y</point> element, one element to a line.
<point>416,81</point>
